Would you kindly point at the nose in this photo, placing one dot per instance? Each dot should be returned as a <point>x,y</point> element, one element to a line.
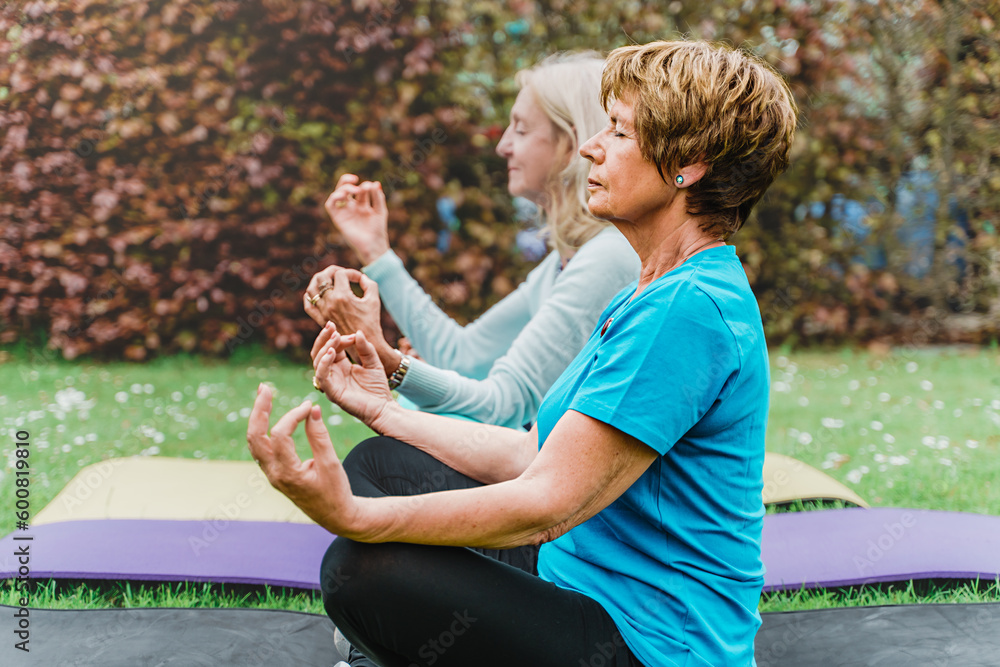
<point>591,149</point>
<point>504,145</point>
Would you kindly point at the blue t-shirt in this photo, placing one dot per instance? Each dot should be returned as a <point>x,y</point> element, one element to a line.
<point>676,559</point>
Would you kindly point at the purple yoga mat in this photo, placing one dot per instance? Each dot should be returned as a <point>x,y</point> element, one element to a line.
<point>813,549</point>
<point>239,552</point>
<point>846,547</point>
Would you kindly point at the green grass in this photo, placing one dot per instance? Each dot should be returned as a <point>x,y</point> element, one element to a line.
<point>78,414</point>
<point>911,429</point>
<point>918,429</point>
<point>48,595</point>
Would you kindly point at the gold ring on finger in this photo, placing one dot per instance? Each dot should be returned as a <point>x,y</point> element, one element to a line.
<point>313,299</point>
<point>340,203</point>
<point>316,383</point>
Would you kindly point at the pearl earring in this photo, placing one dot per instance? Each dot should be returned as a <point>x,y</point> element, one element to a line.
<point>679,179</point>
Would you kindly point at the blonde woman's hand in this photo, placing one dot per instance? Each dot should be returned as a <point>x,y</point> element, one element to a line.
<point>358,210</point>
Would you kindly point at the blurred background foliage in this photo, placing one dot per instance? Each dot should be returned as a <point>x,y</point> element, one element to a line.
<point>163,164</point>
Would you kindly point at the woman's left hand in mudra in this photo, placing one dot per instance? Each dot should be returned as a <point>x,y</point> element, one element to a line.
<point>319,486</point>
<point>360,389</point>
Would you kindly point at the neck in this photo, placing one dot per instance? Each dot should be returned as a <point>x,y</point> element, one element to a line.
<point>665,246</point>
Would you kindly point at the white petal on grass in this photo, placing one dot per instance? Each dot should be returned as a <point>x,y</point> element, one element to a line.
<point>956,413</point>
<point>928,441</point>
<point>972,444</point>
<point>884,397</point>
<point>871,381</point>
<point>898,460</point>
<point>136,388</point>
<point>888,437</point>
<point>232,416</point>
<point>781,361</point>
<point>876,425</point>
<point>334,420</point>
<point>66,448</point>
<point>177,397</point>
<point>945,462</point>
<point>938,405</point>
<point>854,476</point>
<point>805,438</point>
<point>803,401</point>
<point>853,385</point>
<point>845,400</point>
<point>830,422</point>
<point>911,367</point>
<point>926,385</point>
<point>121,397</point>
<point>781,387</point>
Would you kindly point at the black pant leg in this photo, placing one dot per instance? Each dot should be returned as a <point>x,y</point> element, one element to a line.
<point>410,605</point>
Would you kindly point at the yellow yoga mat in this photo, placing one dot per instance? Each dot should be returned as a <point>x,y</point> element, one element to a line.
<point>787,479</point>
<point>172,489</point>
<point>192,489</point>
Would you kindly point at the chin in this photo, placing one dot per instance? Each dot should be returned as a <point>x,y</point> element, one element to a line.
<point>599,209</point>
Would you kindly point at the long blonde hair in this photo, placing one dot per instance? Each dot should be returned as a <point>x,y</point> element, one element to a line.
<point>567,86</point>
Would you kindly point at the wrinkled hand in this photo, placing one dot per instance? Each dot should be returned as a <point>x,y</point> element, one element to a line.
<point>349,312</point>
<point>360,389</point>
<point>359,211</point>
<point>319,486</point>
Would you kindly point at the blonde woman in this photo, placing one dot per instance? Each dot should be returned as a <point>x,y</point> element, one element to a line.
<point>498,368</point>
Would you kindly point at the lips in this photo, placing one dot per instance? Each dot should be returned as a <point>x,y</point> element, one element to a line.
<point>591,183</point>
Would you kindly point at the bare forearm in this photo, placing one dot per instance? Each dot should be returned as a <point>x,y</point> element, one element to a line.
<point>487,453</point>
<point>496,516</point>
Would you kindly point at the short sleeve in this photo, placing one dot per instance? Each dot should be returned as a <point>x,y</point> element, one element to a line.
<point>665,359</point>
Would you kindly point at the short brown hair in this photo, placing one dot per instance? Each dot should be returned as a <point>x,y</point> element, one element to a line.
<point>699,102</point>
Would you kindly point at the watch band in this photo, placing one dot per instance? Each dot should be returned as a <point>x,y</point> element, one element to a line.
<point>397,376</point>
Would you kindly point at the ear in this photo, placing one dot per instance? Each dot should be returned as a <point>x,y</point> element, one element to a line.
<point>691,174</point>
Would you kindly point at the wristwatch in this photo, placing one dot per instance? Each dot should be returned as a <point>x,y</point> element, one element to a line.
<point>397,375</point>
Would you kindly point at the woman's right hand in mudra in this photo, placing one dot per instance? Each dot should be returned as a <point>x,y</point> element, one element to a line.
<point>359,212</point>
<point>360,389</point>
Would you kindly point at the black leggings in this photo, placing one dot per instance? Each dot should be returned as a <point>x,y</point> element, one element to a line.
<point>407,605</point>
